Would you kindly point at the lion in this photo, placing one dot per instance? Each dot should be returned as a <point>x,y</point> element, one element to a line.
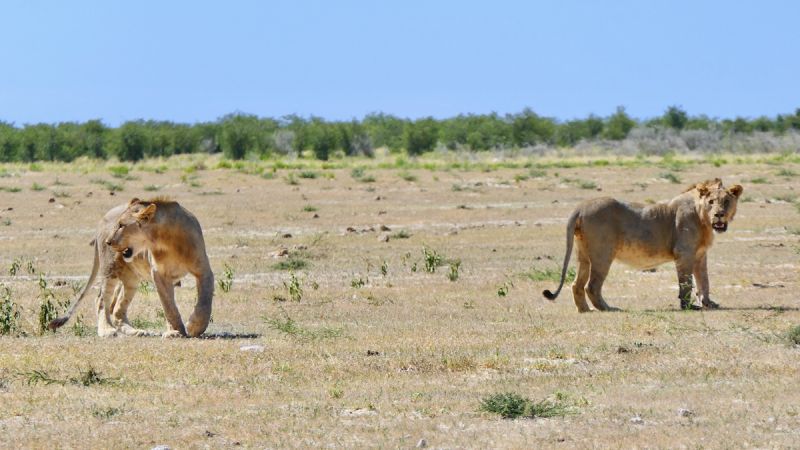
<point>680,230</point>
<point>172,239</point>
<point>120,279</point>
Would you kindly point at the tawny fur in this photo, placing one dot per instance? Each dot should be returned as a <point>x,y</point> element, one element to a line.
<point>680,230</point>
<point>174,240</point>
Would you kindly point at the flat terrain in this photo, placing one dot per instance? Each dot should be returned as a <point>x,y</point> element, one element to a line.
<point>378,352</point>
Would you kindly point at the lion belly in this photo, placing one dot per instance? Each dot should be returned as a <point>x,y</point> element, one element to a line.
<point>642,257</point>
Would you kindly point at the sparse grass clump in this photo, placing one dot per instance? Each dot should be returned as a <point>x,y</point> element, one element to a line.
<point>225,282</point>
<point>291,263</point>
<point>671,177</point>
<point>536,274</point>
<point>794,335</point>
<point>432,259</point>
<point>759,180</point>
<point>408,176</point>
<point>37,187</point>
<point>512,406</point>
<point>9,312</point>
<point>309,208</point>
<point>400,234</point>
<point>308,174</point>
<point>360,174</point>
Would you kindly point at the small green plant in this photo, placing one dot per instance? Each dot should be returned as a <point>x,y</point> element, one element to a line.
<point>511,406</point>
<point>61,194</point>
<point>359,174</point>
<point>584,184</point>
<point>226,281</point>
<point>9,312</point>
<point>759,180</point>
<point>408,176</point>
<point>431,258</point>
<point>80,329</point>
<point>120,171</point>
<point>400,234</point>
<point>85,378</point>
<point>384,268</point>
<point>548,274</point>
<point>794,335</point>
<point>37,187</point>
<point>310,174</point>
<point>786,173</point>
<point>106,413</point>
<point>49,307</point>
<point>291,179</point>
<point>357,283</point>
<point>502,291</point>
<point>290,327</point>
<point>293,262</point>
<point>145,323</point>
<point>669,176</point>
<point>309,208</point>
<point>294,288</point>
<point>454,268</point>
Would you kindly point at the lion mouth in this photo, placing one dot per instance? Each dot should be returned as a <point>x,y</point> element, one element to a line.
<point>719,227</point>
<point>127,253</point>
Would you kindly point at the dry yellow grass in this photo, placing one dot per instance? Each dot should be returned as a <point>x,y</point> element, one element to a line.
<point>408,355</point>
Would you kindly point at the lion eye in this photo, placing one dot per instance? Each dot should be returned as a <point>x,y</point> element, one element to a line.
<point>711,202</point>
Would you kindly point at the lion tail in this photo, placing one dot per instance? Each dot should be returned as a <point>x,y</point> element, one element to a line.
<point>60,321</point>
<point>572,224</point>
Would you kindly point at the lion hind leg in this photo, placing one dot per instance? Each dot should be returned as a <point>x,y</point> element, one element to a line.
<point>579,286</point>
<point>104,326</point>
<point>595,288</point>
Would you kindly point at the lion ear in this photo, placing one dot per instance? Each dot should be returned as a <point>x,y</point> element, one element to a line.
<point>146,215</point>
<point>702,189</point>
<point>736,190</point>
<point>133,200</point>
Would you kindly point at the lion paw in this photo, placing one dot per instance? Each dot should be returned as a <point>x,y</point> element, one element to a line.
<point>171,334</point>
<point>107,332</point>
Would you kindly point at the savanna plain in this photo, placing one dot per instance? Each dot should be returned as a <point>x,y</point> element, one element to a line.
<point>387,302</point>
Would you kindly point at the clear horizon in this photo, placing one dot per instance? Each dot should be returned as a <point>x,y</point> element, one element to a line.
<point>197,61</point>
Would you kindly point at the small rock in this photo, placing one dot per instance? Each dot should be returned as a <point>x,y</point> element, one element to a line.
<point>373,353</point>
<point>378,198</point>
<point>161,447</point>
<point>422,443</point>
<point>683,412</point>
<point>315,216</point>
<point>383,237</point>
<point>380,213</point>
<point>252,348</point>
<point>112,193</point>
<point>286,235</point>
<point>51,200</point>
<point>636,420</point>
<point>350,230</point>
<point>89,194</point>
<point>385,228</point>
<point>210,434</point>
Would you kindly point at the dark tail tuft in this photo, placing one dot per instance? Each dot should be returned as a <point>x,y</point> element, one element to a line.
<point>549,295</point>
<point>57,323</point>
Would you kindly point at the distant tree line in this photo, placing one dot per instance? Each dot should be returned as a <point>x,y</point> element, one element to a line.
<point>243,135</point>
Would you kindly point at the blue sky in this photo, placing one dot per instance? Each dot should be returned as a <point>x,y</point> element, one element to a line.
<point>191,61</point>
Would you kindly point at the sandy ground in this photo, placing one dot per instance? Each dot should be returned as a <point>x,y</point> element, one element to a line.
<point>375,354</point>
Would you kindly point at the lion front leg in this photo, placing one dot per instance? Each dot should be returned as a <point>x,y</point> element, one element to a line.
<point>198,321</point>
<point>684,268</point>
<point>701,278</point>
<point>166,293</point>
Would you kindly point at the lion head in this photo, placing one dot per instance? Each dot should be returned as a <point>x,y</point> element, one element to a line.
<point>129,237</point>
<point>718,203</point>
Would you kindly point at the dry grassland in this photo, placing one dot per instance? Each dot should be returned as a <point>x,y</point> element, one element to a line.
<point>375,354</point>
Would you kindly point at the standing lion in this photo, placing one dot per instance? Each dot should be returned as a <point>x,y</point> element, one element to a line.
<point>680,230</point>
